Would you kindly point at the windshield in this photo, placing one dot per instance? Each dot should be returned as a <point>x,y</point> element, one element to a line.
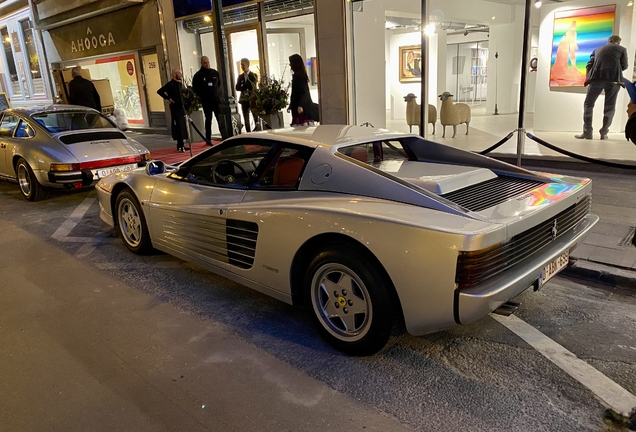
<point>73,120</point>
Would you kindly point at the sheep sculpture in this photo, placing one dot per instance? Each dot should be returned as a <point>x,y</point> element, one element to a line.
<point>413,112</point>
<point>453,114</point>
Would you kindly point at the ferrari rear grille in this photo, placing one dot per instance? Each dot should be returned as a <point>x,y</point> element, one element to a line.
<point>491,192</point>
<point>241,242</point>
<point>475,267</point>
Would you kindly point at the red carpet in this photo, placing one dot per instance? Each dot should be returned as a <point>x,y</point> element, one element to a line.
<point>171,156</point>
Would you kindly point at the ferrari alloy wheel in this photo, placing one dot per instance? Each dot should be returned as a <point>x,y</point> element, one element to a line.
<point>349,300</point>
<point>29,185</point>
<point>341,301</point>
<point>132,223</point>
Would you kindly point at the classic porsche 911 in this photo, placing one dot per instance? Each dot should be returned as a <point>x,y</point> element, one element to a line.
<point>374,232</point>
<point>62,146</point>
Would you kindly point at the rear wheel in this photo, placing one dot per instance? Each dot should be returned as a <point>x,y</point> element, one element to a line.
<point>349,300</point>
<point>29,185</point>
<point>132,224</point>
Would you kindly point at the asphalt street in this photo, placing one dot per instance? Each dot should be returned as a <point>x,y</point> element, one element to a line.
<point>96,338</point>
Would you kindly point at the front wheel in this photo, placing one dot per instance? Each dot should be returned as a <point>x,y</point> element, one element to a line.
<point>132,224</point>
<point>349,300</point>
<point>29,185</point>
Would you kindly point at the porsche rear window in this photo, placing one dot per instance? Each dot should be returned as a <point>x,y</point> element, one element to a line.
<point>73,120</point>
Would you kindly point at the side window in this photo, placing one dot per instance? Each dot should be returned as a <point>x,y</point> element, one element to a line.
<point>285,169</point>
<point>7,126</point>
<point>361,152</point>
<point>230,166</point>
<point>24,130</point>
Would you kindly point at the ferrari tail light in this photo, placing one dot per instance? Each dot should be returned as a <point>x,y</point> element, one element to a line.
<point>64,167</point>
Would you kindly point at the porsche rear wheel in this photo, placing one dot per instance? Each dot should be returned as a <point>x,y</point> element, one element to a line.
<point>132,224</point>
<point>29,185</point>
<point>349,301</point>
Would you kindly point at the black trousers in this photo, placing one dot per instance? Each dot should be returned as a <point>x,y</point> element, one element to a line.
<point>207,112</point>
<point>594,90</point>
<point>245,106</point>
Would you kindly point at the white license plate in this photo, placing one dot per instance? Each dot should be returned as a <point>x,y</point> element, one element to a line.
<point>103,172</point>
<point>554,267</point>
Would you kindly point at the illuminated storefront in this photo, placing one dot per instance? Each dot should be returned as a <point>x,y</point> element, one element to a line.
<point>123,46</point>
<point>289,29</point>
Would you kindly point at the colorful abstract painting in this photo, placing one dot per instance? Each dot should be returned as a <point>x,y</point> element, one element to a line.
<point>576,34</point>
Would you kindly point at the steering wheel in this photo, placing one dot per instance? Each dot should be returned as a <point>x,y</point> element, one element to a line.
<point>228,178</point>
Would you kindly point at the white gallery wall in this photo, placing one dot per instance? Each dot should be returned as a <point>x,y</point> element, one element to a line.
<point>376,52</point>
<point>561,109</point>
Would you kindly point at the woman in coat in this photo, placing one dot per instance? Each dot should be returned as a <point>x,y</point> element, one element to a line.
<point>172,92</point>
<point>304,111</point>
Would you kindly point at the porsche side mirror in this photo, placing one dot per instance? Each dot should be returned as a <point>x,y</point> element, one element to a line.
<point>155,167</point>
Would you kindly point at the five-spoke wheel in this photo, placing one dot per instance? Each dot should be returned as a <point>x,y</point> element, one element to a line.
<point>351,299</point>
<point>132,223</point>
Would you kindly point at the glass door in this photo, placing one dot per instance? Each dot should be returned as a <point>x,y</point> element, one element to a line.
<point>281,43</point>
<point>243,43</point>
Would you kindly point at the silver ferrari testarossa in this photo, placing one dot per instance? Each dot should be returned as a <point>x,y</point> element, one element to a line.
<point>374,232</point>
<point>62,146</point>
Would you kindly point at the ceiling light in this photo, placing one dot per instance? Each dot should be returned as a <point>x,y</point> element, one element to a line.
<point>207,18</point>
<point>537,3</point>
<point>429,29</point>
<point>630,3</point>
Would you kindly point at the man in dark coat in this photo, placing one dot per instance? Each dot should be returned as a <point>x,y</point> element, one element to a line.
<point>82,91</point>
<point>206,83</point>
<point>172,92</point>
<point>604,72</point>
<point>245,84</point>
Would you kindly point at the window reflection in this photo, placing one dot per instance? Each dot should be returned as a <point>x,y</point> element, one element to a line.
<point>8,52</point>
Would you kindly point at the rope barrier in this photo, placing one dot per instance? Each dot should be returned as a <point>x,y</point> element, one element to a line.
<point>576,156</point>
<point>558,150</point>
<point>198,131</point>
<point>499,144</point>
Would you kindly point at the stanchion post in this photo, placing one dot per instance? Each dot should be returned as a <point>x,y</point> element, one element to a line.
<point>188,120</point>
<point>524,73</point>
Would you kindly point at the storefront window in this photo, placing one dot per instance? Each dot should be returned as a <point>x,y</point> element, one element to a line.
<point>121,71</point>
<point>292,36</point>
<point>32,57</point>
<point>388,66</point>
<point>8,53</point>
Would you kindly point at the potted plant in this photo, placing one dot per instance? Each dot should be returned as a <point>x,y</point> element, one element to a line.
<point>269,99</point>
<point>192,106</point>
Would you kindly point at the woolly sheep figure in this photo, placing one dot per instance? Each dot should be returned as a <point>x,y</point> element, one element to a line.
<point>413,112</point>
<point>453,114</point>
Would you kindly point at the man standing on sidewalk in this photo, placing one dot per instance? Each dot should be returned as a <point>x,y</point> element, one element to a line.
<point>245,84</point>
<point>206,83</point>
<point>172,92</point>
<point>82,91</point>
<point>604,73</point>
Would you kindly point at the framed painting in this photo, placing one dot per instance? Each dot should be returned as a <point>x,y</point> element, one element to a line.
<point>576,33</point>
<point>410,68</point>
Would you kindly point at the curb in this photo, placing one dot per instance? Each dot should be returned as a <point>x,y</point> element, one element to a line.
<point>603,274</point>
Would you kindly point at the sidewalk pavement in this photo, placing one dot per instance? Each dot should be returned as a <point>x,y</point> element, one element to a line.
<point>607,256</point>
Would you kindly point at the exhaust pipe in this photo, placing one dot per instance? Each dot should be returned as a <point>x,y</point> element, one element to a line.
<point>507,309</point>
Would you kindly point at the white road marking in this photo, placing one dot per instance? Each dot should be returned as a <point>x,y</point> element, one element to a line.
<point>604,388</point>
<point>85,250</point>
<point>75,217</point>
